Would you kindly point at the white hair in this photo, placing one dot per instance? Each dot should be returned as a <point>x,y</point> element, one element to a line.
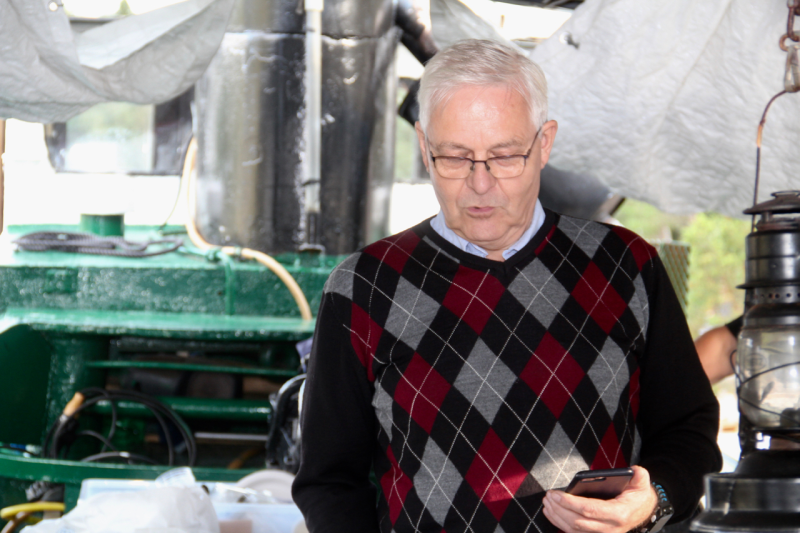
<point>481,63</point>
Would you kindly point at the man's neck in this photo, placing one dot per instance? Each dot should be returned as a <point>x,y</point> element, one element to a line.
<point>496,255</point>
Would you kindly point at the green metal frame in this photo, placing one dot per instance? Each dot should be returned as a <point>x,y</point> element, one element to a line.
<point>64,317</point>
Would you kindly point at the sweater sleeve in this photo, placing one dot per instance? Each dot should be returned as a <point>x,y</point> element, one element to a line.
<point>679,414</point>
<point>332,488</point>
<point>735,325</point>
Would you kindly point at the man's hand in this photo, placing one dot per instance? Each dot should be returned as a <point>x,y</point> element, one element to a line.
<point>633,506</point>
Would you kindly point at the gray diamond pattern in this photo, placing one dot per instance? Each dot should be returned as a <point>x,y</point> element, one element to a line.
<point>544,301</point>
<point>382,403</point>
<point>639,303</point>
<point>437,482</point>
<point>341,279</point>
<point>558,462</point>
<point>411,313</point>
<point>484,380</point>
<point>587,236</point>
<point>610,368</point>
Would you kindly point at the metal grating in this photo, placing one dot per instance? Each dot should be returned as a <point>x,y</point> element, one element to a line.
<point>675,256</point>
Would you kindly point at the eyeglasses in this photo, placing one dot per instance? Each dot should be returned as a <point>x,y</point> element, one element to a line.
<point>501,167</point>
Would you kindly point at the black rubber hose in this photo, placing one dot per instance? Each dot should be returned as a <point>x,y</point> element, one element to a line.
<point>119,455</point>
<point>85,243</point>
<point>280,414</point>
<point>153,403</point>
<point>160,411</point>
<point>106,442</point>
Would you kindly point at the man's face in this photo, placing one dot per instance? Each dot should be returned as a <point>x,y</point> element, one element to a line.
<point>479,123</point>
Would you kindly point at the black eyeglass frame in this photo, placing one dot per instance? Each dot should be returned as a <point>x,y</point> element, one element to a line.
<point>524,156</point>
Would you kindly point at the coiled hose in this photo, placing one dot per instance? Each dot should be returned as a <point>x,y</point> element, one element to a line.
<point>85,243</point>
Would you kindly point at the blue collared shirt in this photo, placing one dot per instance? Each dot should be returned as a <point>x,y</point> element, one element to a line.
<point>439,226</point>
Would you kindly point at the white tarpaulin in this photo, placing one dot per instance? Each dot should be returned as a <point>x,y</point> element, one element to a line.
<point>662,100</point>
<point>453,21</point>
<point>49,73</point>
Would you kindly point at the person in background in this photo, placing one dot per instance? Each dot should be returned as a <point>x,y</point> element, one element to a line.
<point>475,362</point>
<point>717,350</point>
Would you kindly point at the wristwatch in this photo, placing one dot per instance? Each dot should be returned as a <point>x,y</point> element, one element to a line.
<point>661,514</point>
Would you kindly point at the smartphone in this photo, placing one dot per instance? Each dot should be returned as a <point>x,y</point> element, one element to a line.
<point>601,484</point>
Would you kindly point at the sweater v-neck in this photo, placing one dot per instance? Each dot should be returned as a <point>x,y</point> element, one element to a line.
<point>502,269</point>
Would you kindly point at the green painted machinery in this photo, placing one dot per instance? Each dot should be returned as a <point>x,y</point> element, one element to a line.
<point>70,321</point>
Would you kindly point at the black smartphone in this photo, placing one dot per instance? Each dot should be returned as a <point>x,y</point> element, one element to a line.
<point>601,484</point>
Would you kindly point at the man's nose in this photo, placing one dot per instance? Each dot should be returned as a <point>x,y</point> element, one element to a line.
<point>480,179</point>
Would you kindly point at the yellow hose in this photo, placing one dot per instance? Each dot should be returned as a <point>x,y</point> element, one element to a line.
<point>10,512</point>
<point>12,524</point>
<point>266,260</point>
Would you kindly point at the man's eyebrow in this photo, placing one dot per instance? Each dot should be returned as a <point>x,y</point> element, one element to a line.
<point>448,144</point>
<point>512,143</point>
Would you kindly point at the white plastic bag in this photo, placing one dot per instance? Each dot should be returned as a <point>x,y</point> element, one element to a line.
<point>158,509</point>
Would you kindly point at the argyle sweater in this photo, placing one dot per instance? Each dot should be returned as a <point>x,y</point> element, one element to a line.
<point>470,386</point>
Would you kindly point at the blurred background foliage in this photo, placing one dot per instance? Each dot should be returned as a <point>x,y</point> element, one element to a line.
<point>716,259</point>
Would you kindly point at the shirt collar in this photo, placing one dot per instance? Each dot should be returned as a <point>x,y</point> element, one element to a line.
<point>439,225</point>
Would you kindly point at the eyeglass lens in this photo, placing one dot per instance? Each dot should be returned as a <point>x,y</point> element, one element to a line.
<point>461,167</point>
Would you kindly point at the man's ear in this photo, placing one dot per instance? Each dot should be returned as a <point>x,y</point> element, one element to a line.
<point>423,148</point>
<point>547,136</point>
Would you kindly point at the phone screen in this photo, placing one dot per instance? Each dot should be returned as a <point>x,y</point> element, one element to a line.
<point>601,484</point>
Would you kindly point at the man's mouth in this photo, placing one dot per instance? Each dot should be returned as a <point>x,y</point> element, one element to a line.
<point>480,211</point>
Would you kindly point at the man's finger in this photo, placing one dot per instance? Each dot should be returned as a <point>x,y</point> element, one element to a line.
<point>558,515</point>
<point>591,514</point>
<point>569,521</point>
<point>588,507</point>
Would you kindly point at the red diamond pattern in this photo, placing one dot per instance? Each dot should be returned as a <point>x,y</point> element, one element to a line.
<point>495,474</point>
<point>642,252</point>
<point>421,392</point>
<point>396,485</point>
<point>394,251</point>
<point>634,392</point>
<point>550,359</point>
<point>364,336</point>
<point>545,241</point>
<point>473,296</point>
<point>608,454</point>
<point>598,298</point>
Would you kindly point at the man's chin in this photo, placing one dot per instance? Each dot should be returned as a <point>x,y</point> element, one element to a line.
<point>482,237</point>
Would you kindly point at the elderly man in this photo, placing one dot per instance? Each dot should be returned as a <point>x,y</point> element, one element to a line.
<point>475,362</point>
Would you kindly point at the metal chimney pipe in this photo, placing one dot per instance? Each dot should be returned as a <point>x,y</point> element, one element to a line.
<point>251,123</point>
<point>313,134</point>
